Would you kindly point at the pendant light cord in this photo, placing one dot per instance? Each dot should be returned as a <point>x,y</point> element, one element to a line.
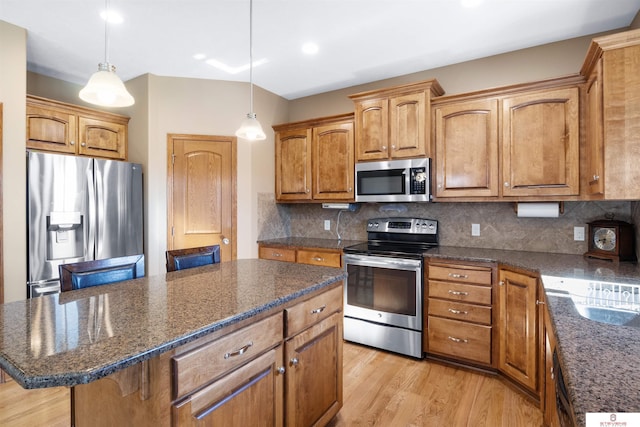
<point>106,33</point>
<point>251,56</point>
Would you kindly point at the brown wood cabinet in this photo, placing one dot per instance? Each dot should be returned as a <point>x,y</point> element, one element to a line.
<point>459,306</point>
<point>548,404</point>
<point>394,123</point>
<point>313,256</point>
<point>315,160</point>
<point>519,142</point>
<point>65,128</point>
<point>519,346</point>
<point>283,368</point>
<point>612,91</point>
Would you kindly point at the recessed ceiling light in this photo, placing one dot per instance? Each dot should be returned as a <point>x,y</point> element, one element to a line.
<point>111,16</point>
<point>310,48</point>
<point>234,70</point>
<point>199,56</point>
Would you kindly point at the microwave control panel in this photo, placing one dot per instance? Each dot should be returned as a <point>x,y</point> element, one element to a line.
<point>418,181</point>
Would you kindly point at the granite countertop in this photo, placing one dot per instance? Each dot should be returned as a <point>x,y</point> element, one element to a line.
<point>80,336</point>
<point>599,361</point>
<point>308,242</point>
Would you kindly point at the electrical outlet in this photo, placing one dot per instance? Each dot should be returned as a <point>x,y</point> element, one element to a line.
<point>475,229</point>
<point>327,224</point>
<point>578,234</point>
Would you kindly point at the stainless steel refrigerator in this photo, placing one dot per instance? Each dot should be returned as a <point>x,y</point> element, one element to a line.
<point>79,209</point>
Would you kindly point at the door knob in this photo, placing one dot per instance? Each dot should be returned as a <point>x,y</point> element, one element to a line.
<point>224,240</point>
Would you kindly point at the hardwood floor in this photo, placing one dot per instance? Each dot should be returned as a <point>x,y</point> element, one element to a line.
<point>384,389</point>
<point>380,389</point>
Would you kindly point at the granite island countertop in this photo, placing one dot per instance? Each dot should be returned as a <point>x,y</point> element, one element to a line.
<point>80,336</point>
<point>600,362</point>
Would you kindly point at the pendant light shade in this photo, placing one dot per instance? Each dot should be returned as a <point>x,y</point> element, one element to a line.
<point>250,127</point>
<point>105,87</point>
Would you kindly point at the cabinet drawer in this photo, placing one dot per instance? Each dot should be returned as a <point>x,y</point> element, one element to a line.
<point>305,314</point>
<point>328,259</point>
<point>460,311</point>
<point>278,254</point>
<point>203,364</point>
<point>460,292</point>
<point>464,274</point>
<point>460,339</point>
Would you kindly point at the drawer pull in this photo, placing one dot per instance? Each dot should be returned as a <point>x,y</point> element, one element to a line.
<point>459,340</point>
<point>294,361</point>
<point>281,370</point>
<point>318,310</point>
<point>458,276</point>
<point>276,254</point>
<point>454,311</point>
<point>458,293</point>
<point>239,352</point>
<point>317,258</point>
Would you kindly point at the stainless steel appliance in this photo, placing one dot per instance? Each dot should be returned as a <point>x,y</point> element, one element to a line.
<point>79,209</point>
<point>393,181</point>
<point>383,291</point>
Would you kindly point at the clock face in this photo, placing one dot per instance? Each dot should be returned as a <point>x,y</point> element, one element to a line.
<point>604,239</point>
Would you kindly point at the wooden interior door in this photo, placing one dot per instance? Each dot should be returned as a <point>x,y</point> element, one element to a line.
<point>201,197</point>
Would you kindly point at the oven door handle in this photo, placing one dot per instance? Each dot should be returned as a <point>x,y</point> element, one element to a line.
<point>383,262</point>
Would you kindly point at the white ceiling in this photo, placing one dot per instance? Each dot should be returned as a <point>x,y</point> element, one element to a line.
<point>359,40</point>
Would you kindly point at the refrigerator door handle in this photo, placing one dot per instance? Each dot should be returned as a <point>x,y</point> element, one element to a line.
<point>92,221</point>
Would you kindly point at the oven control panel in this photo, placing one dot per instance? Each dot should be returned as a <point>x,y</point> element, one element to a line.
<point>403,225</point>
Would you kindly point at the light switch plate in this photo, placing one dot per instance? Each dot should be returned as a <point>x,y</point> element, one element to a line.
<point>327,224</point>
<point>578,234</point>
<point>475,229</point>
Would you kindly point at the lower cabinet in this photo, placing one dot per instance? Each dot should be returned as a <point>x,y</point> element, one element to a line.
<point>548,404</point>
<point>285,369</point>
<point>518,340</point>
<point>313,256</point>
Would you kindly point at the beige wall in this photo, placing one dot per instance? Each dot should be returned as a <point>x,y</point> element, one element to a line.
<point>13,75</point>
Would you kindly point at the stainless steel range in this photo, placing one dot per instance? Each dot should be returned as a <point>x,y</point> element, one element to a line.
<point>384,288</point>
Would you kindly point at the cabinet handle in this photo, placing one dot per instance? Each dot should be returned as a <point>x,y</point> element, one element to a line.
<point>317,258</point>
<point>458,276</point>
<point>454,311</point>
<point>458,293</point>
<point>294,361</point>
<point>239,352</point>
<point>552,374</point>
<point>318,310</point>
<point>384,147</point>
<point>538,302</point>
<point>350,189</point>
<point>84,144</point>
<point>506,184</point>
<point>393,147</point>
<point>501,283</point>
<point>458,340</point>
<point>596,177</point>
<point>72,143</point>
<point>276,254</point>
<point>281,370</point>
<point>308,191</point>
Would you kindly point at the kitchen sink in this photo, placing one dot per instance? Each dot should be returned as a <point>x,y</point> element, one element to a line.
<point>605,302</point>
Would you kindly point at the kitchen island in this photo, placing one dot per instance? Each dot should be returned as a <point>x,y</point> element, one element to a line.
<point>138,334</point>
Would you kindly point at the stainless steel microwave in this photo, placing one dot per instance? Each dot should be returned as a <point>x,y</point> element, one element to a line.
<point>393,181</point>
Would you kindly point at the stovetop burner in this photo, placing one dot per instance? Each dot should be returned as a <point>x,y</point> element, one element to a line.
<point>397,237</point>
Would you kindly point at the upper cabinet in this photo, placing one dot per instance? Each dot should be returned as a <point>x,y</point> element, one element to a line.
<point>612,92</point>
<point>315,160</point>
<point>394,123</point>
<point>65,128</point>
<point>511,143</point>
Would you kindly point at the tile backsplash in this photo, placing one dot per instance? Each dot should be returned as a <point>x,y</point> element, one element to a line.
<point>500,228</point>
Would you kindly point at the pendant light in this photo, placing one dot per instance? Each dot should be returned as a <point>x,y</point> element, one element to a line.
<point>250,127</point>
<point>104,87</point>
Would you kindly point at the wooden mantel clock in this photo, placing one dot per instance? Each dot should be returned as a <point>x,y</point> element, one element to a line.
<point>611,240</point>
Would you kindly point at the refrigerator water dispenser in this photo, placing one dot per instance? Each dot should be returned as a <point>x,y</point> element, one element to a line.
<point>65,235</point>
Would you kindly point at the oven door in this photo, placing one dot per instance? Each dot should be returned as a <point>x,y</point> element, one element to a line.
<point>384,290</point>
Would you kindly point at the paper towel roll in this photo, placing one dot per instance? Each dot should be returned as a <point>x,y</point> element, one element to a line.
<point>538,210</point>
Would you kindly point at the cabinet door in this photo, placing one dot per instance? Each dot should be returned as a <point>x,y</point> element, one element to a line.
<point>550,408</point>
<point>518,327</point>
<point>313,393</point>
<point>51,129</point>
<point>293,165</point>
<point>333,165</point>
<point>99,138</point>
<point>466,141</point>
<point>372,129</point>
<point>408,125</point>
<point>540,139</point>
<point>594,137</point>
<point>248,396</point>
